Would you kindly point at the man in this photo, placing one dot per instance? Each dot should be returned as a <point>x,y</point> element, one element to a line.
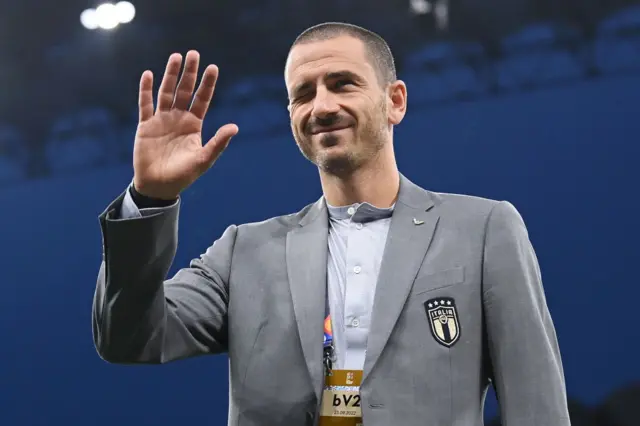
<point>426,297</point>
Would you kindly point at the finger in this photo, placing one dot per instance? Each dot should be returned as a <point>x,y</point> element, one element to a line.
<point>204,94</point>
<point>187,81</point>
<point>212,150</point>
<point>167,89</point>
<point>145,97</point>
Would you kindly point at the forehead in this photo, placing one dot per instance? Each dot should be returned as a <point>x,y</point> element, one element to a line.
<point>309,61</point>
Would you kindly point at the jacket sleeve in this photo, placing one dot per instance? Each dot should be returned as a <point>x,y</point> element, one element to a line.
<point>139,316</point>
<point>527,368</point>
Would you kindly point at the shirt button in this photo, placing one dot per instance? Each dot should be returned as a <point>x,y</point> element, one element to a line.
<point>351,211</point>
<point>355,322</point>
<point>358,226</point>
<point>357,269</point>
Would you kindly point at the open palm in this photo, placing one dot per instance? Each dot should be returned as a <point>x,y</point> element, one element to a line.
<point>168,154</point>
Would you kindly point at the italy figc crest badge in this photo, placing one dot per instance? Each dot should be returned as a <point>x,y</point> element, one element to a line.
<point>443,319</point>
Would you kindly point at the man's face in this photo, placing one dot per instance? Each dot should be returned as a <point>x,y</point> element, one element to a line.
<point>337,106</point>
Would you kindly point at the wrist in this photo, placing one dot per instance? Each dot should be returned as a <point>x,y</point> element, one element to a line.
<point>143,201</point>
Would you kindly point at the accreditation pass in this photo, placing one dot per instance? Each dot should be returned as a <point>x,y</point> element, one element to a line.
<point>341,399</point>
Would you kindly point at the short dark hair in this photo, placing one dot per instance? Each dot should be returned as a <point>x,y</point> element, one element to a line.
<point>375,46</point>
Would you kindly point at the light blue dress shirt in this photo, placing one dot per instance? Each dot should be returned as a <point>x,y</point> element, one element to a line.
<point>357,236</point>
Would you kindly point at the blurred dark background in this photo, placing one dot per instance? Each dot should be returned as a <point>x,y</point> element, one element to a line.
<point>532,101</point>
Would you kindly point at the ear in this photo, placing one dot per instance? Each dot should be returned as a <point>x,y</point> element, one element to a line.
<point>397,101</point>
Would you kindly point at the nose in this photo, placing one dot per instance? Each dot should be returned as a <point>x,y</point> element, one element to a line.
<point>324,103</point>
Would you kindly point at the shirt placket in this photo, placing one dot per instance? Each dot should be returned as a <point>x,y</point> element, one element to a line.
<point>358,271</point>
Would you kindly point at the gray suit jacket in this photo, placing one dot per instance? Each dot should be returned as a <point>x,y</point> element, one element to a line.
<point>258,293</point>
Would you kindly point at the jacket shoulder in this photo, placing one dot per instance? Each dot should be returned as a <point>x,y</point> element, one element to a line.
<point>276,225</point>
<point>466,202</point>
<point>474,208</point>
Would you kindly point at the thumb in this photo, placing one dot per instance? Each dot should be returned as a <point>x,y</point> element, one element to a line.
<point>213,149</point>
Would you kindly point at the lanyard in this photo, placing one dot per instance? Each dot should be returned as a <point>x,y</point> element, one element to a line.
<point>328,351</point>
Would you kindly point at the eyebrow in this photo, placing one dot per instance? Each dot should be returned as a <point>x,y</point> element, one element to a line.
<point>335,75</point>
<point>341,74</point>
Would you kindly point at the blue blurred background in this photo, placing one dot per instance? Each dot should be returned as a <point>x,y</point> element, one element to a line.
<point>532,101</point>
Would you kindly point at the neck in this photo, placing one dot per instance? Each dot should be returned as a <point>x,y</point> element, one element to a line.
<point>376,183</point>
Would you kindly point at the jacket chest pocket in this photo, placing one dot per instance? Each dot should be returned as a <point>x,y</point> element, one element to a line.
<point>431,281</point>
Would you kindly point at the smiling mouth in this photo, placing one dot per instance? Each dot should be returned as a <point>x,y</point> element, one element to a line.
<point>330,130</point>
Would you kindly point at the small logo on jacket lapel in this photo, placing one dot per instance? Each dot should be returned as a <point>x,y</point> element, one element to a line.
<point>443,320</point>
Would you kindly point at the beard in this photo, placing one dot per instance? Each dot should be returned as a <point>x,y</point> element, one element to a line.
<point>367,142</point>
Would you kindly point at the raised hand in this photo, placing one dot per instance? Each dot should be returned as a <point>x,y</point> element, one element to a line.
<point>168,154</point>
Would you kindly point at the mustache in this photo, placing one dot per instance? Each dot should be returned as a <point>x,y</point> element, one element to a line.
<point>324,124</point>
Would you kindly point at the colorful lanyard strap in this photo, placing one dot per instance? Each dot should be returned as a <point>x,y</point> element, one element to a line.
<point>328,353</point>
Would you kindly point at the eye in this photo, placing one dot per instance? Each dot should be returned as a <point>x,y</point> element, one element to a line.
<point>342,83</point>
<point>299,98</point>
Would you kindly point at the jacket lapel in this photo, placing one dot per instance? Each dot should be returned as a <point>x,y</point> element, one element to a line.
<point>306,253</point>
<point>411,230</point>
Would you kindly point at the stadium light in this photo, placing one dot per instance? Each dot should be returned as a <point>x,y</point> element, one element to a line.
<point>108,16</point>
<point>420,7</point>
<point>126,12</point>
<point>89,19</point>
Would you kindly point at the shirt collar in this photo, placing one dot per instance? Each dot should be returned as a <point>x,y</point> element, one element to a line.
<point>359,212</point>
